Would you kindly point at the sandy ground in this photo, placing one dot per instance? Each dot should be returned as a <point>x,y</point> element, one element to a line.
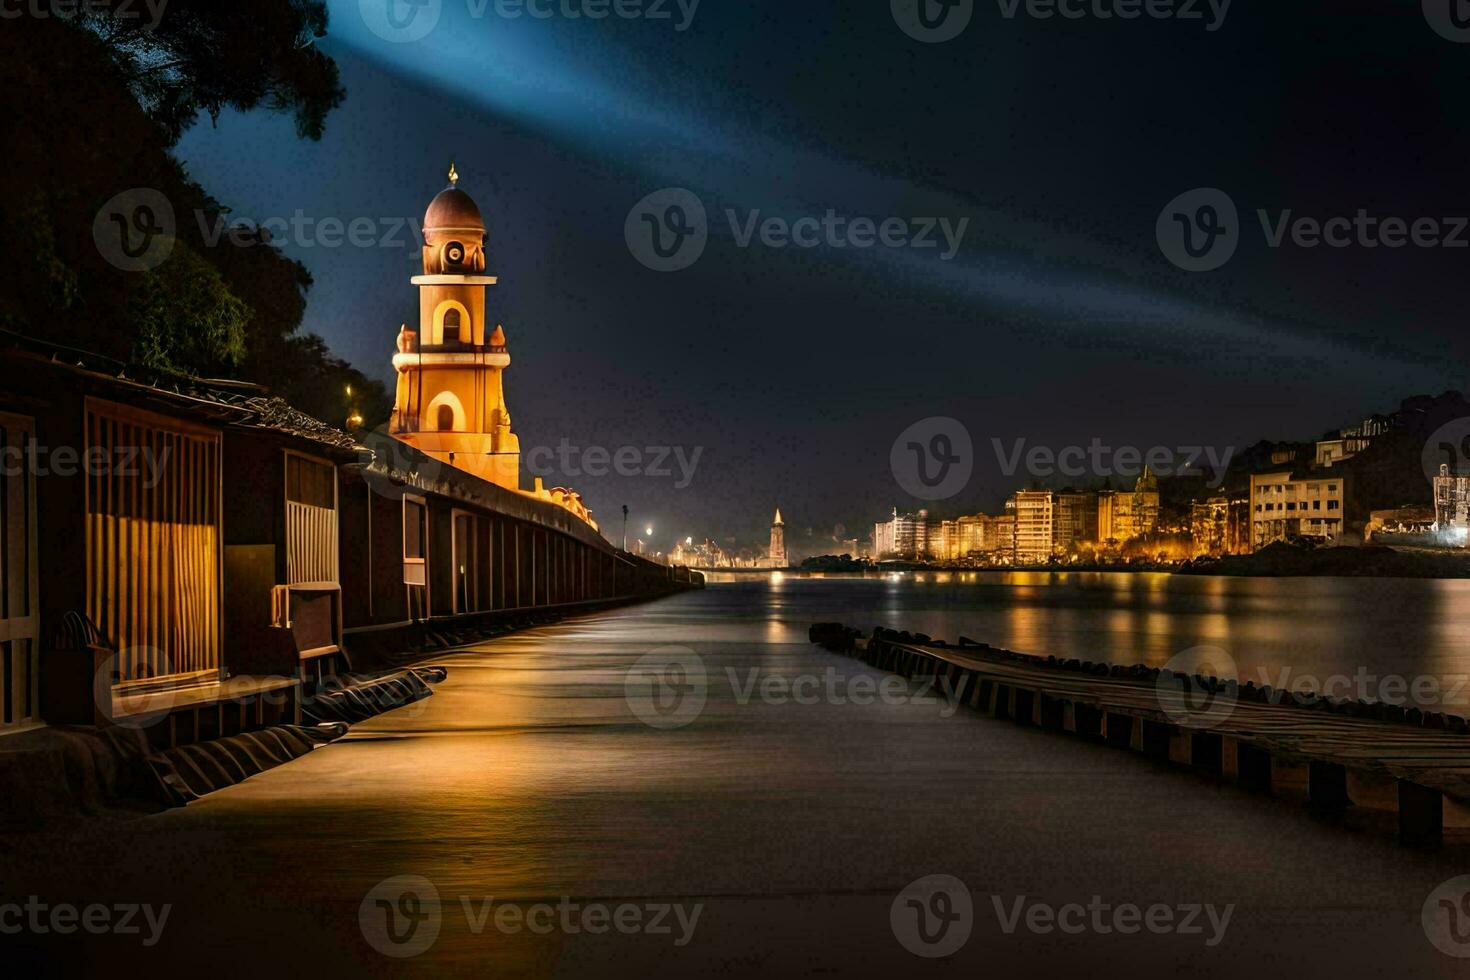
<point>791,830</point>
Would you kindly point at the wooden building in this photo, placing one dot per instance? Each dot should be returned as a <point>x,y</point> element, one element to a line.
<point>191,557</point>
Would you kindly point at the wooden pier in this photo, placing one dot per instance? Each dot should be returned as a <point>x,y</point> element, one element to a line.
<point>1417,764</point>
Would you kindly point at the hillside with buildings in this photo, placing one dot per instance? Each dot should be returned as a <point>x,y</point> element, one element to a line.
<point>1400,479</point>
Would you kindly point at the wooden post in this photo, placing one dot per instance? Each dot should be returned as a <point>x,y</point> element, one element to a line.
<point>1253,767</point>
<point>1327,786</point>
<point>1053,713</point>
<point>1421,815</point>
<point>1024,711</point>
<point>1003,700</point>
<point>1206,752</point>
<point>1154,739</point>
<point>1088,720</point>
<point>1119,730</point>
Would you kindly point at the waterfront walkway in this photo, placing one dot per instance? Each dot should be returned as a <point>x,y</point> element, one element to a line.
<point>794,821</point>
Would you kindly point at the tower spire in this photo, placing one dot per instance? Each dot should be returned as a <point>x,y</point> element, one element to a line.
<point>453,174</point>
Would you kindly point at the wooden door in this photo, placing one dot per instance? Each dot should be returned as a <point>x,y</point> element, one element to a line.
<point>18,580</point>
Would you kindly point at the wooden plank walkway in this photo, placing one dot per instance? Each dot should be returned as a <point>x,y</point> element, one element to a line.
<point>1232,736</point>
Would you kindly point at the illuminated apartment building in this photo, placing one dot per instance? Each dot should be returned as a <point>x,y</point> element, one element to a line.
<point>1282,507</point>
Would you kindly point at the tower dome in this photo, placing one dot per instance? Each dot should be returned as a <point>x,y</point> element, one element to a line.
<point>454,232</point>
<point>453,210</point>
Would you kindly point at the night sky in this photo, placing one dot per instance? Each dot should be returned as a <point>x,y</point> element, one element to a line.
<point>1059,320</point>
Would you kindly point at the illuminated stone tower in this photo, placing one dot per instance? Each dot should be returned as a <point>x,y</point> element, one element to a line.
<point>777,556</point>
<point>450,401</point>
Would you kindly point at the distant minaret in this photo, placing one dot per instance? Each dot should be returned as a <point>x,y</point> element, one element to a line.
<point>777,556</point>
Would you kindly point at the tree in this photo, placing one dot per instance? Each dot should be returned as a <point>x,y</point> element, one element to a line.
<point>226,308</point>
<point>208,55</point>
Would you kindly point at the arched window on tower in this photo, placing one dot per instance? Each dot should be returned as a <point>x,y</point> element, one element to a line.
<point>444,418</point>
<point>451,326</point>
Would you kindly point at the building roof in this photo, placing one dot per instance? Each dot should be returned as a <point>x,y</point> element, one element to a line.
<point>237,403</point>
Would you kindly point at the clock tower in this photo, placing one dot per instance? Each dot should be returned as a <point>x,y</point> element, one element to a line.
<point>450,400</point>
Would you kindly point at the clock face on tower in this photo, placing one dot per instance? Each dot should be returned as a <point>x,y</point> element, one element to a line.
<point>454,253</point>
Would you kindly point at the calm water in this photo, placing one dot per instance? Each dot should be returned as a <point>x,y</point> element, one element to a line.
<point>1405,640</point>
<point>530,779</point>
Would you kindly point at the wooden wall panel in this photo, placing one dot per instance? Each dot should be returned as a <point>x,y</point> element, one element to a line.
<point>153,542</point>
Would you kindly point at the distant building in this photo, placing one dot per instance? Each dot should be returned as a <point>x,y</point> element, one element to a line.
<point>1285,507</point>
<point>1350,442</point>
<point>1075,518</point>
<point>1403,525</point>
<point>944,541</point>
<point>998,537</point>
<point>1123,515</point>
<point>902,536</point>
<point>1451,507</point>
<point>776,556</point>
<point>1220,526</point>
<point>1035,518</point>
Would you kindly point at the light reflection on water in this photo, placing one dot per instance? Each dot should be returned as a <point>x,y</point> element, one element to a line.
<point>1351,634</point>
